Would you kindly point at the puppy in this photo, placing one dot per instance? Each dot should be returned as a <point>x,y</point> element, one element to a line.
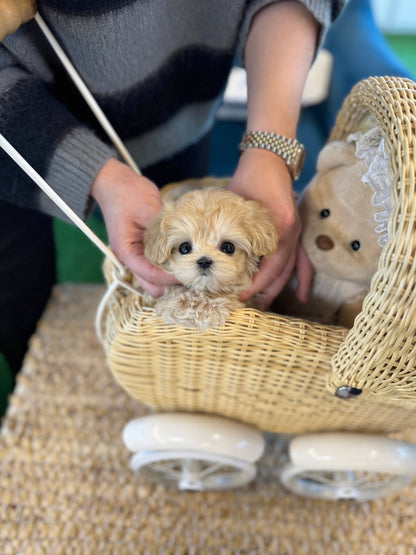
<point>212,241</point>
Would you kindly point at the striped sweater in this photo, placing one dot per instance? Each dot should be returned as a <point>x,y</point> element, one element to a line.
<point>156,67</point>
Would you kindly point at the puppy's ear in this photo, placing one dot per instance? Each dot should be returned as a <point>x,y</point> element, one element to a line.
<point>156,245</point>
<point>261,230</point>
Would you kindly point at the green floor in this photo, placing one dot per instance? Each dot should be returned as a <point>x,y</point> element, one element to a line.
<point>80,261</point>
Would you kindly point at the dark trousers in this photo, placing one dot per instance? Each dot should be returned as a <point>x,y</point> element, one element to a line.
<point>27,274</point>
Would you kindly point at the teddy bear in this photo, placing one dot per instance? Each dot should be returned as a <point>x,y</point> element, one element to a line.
<point>344,212</point>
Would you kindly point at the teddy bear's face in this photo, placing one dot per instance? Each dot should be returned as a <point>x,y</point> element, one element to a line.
<point>338,220</point>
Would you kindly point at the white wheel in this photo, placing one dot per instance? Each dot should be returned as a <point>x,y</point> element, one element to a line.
<point>337,485</point>
<point>193,451</point>
<point>348,466</point>
<point>193,471</point>
<point>194,432</point>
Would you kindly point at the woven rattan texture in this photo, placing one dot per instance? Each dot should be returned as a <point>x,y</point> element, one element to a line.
<point>66,487</point>
<point>379,354</point>
<point>275,382</point>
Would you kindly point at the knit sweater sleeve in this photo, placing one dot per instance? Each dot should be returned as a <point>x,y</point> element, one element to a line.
<point>45,122</point>
<point>67,154</point>
<point>324,11</point>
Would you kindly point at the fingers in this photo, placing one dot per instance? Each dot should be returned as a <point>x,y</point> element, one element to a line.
<point>270,288</point>
<point>151,279</point>
<point>275,288</point>
<point>268,281</point>
<point>154,291</point>
<point>274,272</point>
<point>304,272</point>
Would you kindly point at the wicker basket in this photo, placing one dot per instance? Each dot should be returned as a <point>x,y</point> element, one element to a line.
<point>280,373</point>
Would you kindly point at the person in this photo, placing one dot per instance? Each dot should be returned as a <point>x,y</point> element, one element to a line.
<point>158,70</point>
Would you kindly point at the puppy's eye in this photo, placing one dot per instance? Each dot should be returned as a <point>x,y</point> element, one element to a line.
<point>227,247</point>
<point>355,245</point>
<point>185,248</point>
<point>324,213</point>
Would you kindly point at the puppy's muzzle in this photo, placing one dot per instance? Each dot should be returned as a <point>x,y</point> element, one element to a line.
<point>204,262</point>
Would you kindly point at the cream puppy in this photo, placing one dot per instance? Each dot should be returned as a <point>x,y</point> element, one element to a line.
<point>212,241</point>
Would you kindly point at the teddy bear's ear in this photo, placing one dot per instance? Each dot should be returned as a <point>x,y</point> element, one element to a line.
<point>156,245</point>
<point>262,232</point>
<point>334,154</point>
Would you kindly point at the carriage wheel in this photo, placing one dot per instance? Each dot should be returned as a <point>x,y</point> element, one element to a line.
<point>348,466</point>
<point>193,451</point>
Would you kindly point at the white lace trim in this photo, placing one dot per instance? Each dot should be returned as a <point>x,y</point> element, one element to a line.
<point>369,146</point>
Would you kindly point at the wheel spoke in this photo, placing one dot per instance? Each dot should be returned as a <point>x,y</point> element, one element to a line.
<point>167,468</point>
<point>211,469</point>
<point>207,471</point>
<point>326,479</point>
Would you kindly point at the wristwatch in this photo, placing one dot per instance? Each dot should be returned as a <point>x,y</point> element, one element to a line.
<point>291,150</point>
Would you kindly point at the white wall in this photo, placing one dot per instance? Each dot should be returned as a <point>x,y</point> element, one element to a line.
<point>395,16</point>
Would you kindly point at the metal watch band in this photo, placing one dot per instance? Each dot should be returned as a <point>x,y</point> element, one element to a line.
<point>291,150</point>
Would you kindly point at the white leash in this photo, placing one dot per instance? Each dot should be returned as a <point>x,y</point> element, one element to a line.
<point>102,307</point>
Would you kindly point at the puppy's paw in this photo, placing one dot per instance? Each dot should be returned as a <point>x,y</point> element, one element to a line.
<point>193,319</point>
<point>195,312</point>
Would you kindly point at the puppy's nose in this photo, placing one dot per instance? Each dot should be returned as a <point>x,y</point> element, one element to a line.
<point>204,262</point>
<point>324,243</point>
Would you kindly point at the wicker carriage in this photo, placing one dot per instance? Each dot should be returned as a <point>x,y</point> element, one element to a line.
<point>286,375</point>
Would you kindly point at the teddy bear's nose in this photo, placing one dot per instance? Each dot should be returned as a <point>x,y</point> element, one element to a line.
<point>324,242</point>
<point>204,262</point>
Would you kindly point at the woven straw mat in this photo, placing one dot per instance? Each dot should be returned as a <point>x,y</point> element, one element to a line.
<point>66,486</point>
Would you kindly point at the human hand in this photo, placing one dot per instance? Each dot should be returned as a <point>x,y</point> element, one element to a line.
<point>14,13</point>
<point>262,176</point>
<point>128,202</point>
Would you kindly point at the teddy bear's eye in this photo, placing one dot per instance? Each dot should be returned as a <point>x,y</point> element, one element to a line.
<point>324,213</point>
<point>227,247</point>
<point>355,245</point>
<point>185,248</point>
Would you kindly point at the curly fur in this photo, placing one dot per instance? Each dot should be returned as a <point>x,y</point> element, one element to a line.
<point>206,219</point>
